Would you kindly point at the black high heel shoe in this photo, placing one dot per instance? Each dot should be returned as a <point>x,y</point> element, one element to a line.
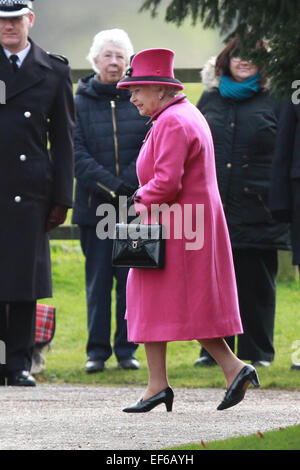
<point>238,388</point>
<point>166,396</point>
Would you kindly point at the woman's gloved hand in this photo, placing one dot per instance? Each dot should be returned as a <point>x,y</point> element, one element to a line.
<point>125,190</point>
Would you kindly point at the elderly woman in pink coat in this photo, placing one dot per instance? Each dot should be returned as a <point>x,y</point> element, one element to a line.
<point>194,296</point>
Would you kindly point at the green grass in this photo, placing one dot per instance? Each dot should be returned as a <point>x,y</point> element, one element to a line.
<point>282,439</point>
<point>66,359</point>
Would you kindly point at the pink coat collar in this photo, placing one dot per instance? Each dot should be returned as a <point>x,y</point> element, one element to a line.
<point>175,100</point>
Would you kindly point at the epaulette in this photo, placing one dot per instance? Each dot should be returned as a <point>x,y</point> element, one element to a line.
<point>60,57</point>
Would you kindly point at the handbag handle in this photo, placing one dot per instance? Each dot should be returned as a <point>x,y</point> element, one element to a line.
<point>130,202</point>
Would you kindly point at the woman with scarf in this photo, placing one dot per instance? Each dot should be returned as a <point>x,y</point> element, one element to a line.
<point>242,116</point>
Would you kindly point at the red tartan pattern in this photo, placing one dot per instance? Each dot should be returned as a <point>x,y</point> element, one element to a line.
<point>45,323</point>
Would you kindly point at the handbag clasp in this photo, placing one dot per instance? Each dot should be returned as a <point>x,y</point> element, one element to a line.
<point>134,244</point>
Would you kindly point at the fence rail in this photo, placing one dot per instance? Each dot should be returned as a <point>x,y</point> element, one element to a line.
<point>286,271</point>
<point>184,75</point>
<point>65,232</point>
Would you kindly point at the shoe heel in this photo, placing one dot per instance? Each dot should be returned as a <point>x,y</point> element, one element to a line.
<point>169,405</point>
<point>254,379</point>
<point>169,399</point>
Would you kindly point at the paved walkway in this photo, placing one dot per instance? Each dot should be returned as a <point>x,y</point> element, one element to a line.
<point>65,417</point>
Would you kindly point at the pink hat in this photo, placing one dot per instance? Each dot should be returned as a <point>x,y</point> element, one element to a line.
<point>151,67</point>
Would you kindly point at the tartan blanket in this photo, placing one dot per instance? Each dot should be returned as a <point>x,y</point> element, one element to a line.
<point>45,324</point>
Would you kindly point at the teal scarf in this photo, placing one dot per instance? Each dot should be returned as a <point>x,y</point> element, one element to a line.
<point>239,90</point>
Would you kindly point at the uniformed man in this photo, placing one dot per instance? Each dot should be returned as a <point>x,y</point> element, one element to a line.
<point>36,179</point>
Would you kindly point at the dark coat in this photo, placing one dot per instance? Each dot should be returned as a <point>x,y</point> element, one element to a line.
<point>285,187</point>
<point>244,136</point>
<point>108,135</point>
<point>39,104</point>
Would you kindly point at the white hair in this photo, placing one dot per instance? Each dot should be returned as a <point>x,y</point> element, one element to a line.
<point>117,36</point>
<point>170,91</point>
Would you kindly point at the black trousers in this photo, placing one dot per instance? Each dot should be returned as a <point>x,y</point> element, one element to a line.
<point>17,333</point>
<point>256,272</point>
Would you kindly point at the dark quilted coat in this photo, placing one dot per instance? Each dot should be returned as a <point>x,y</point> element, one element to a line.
<point>108,135</point>
<point>244,138</point>
<point>285,188</point>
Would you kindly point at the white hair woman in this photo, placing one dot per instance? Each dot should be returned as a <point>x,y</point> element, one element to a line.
<point>108,136</point>
<point>117,37</point>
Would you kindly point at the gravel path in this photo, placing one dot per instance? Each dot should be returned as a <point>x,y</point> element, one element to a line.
<point>65,417</point>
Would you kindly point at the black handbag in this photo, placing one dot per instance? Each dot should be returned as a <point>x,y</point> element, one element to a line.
<point>139,246</point>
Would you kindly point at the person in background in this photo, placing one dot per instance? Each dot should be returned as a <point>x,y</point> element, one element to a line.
<point>285,182</point>
<point>194,296</point>
<point>242,117</point>
<point>108,136</point>
<point>36,180</point>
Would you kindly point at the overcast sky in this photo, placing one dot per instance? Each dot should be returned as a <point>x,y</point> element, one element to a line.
<point>68,26</point>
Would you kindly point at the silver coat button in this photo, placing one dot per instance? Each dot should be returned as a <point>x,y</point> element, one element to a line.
<point>23,158</point>
<point>18,198</point>
<point>27,114</point>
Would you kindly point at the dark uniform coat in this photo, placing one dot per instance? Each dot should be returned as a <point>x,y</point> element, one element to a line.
<point>36,168</point>
<point>108,135</point>
<point>285,187</point>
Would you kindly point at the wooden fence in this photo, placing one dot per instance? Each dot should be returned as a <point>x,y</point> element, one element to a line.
<point>71,232</point>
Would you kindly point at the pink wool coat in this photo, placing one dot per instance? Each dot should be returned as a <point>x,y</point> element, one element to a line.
<point>195,295</point>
